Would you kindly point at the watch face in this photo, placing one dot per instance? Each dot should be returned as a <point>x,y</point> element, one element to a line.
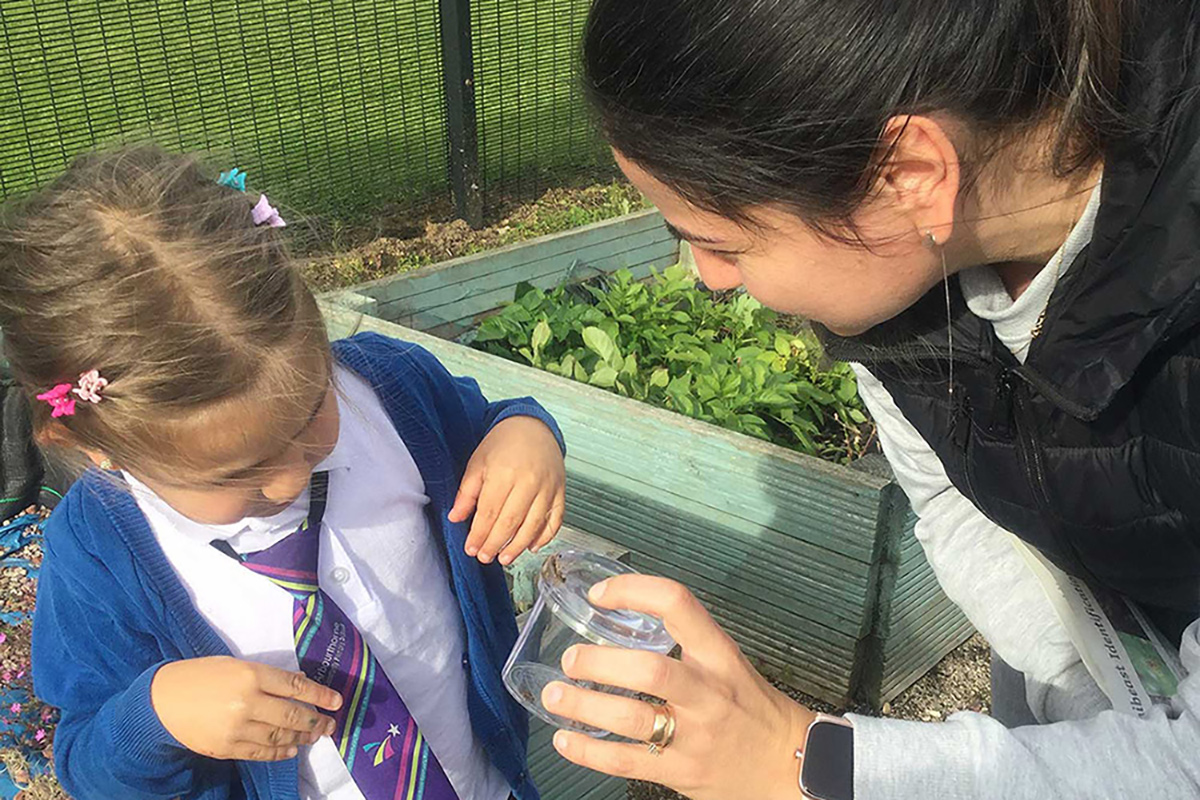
<point>828,772</point>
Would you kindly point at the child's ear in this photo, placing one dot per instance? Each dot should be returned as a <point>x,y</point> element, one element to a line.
<point>54,436</point>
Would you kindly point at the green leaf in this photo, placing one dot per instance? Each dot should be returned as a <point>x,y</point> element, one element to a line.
<point>773,397</point>
<point>807,391</point>
<point>783,344</point>
<point>540,338</point>
<point>531,299</point>
<point>747,353</point>
<point>599,343</point>
<point>581,373</point>
<point>604,377</point>
<point>660,377</point>
<point>491,331</point>
<point>847,389</point>
<point>681,385</point>
<point>760,374</point>
<point>676,272</point>
<point>857,416</point>
<point>524,288</point>
<point>630,367</point>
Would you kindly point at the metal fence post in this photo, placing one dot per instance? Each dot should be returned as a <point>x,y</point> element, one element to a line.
<point>458,70</point>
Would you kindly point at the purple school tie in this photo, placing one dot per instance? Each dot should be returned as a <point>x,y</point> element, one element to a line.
<point>378,739</point>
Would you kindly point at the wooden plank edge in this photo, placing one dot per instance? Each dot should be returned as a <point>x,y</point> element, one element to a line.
<point>634,222</point>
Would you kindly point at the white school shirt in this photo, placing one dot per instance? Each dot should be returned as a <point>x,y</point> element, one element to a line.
<point>378,562</point>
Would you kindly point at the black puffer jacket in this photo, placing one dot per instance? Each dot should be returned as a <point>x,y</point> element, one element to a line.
<point>1090,451</point>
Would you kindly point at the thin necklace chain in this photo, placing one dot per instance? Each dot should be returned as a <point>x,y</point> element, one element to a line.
<point>1057,267</point>
<point>949,318</point>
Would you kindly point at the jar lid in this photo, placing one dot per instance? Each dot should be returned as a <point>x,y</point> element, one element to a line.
<point>565,580</point>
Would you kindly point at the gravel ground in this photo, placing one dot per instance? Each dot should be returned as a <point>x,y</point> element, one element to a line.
<point>961,682</point>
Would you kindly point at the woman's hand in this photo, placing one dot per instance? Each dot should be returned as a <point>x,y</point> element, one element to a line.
<point>515,483</point>
<point>736,735</point>
<point>224,708</point>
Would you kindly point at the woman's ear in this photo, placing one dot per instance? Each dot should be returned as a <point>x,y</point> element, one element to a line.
<point>921,173</point>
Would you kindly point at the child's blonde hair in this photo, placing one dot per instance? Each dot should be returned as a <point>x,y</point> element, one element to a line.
<point>138,264</point>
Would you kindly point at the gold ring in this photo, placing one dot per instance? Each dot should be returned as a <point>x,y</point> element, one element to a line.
<point>664,729</point>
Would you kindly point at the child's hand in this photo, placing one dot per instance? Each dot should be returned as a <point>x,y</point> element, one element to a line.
<point>224,708</point>
<point>516,478</point>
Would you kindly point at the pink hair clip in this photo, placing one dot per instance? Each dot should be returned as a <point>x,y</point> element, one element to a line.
<point>59,398</point>
<point>89,389</point>
<point>264,212</point>
<point>90,386</point>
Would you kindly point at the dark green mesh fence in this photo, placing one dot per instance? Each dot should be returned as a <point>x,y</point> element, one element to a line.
<point>532,125</point>
<point>336,106</point>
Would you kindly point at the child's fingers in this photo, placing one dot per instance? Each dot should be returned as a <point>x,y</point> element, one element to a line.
<point>554,523</point>
<point>289,715</point>
<point>248,751</point>
<point>531,528</point>
<point>297,686</point>
<point>468,494</point>
<point>492,499</point>
<point>546,535</point>
<point>261,733</point>
<point>515,509</point>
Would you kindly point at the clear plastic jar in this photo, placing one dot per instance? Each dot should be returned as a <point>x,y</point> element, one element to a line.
<point>562,617</point>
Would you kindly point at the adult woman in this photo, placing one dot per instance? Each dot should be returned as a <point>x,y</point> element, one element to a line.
<point>992,205</point>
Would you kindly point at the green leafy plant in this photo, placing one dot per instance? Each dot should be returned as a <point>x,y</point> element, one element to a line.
<point>669,343</point>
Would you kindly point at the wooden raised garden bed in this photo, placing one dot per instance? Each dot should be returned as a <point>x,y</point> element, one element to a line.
<point>811,566</point>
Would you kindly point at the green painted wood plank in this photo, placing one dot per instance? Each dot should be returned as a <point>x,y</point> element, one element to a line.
<point>556,246</point>
<point>902,672</point>
<point>772,577</point>
<point>559,779</point>
<point>928,621</point>
<point>916,584</point>
<point>900,678</point>
<point>613,790</point>
<point>915,595</point>
<point>777,489</point>
<point>455,318</point>
<point>940,624</point>
<point>944,629</point>
<point>838,647</point>
<point>784,547</point>
<point>434,295</point>
<point>917,605</point>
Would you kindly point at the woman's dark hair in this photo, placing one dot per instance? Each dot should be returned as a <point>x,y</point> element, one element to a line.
<point>740,103</point>
<point>137,264</point>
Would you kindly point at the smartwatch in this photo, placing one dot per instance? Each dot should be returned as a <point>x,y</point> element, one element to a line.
<point>827,759</point>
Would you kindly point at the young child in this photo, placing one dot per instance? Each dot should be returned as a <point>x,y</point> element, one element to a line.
<point>267,586</point>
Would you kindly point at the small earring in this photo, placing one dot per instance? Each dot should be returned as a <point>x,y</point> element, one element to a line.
<point>107,465</point>
<point>931,240</point>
